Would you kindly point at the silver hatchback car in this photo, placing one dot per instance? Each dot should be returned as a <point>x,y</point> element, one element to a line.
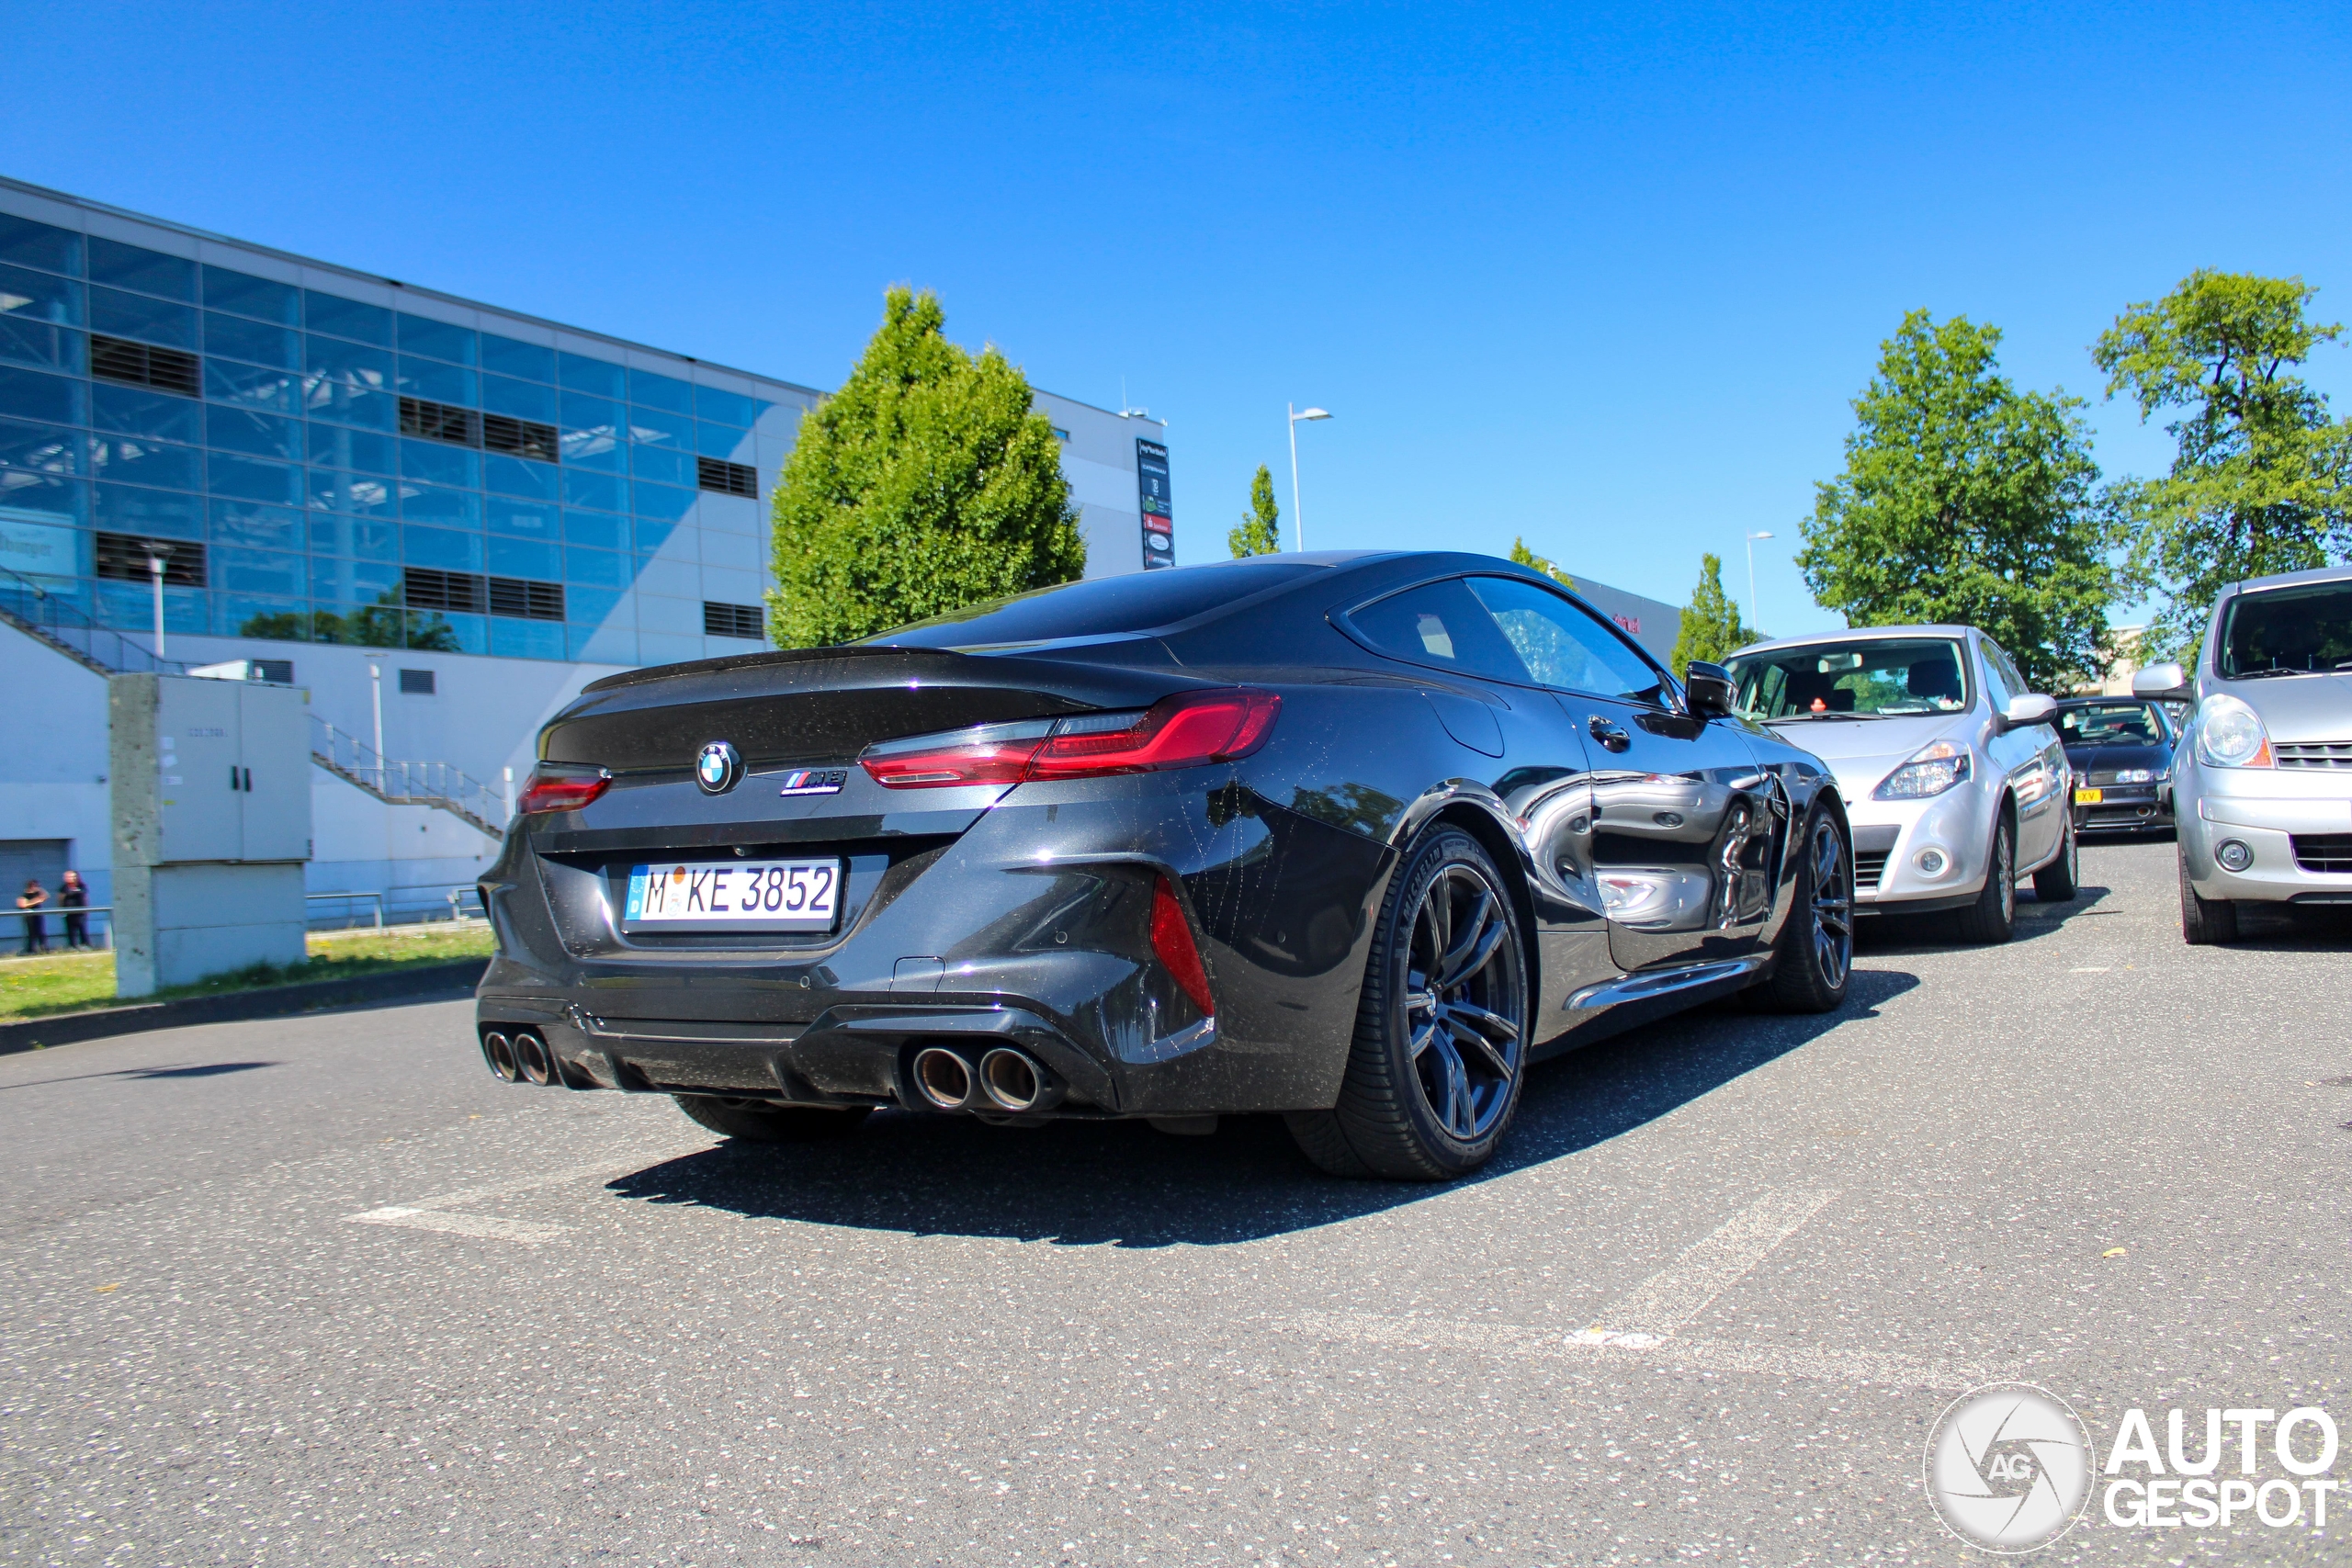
<point>2262,784</point>
<point>1955,782</point>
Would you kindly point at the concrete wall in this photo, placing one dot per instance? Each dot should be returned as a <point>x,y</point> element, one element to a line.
<point>53,761</point>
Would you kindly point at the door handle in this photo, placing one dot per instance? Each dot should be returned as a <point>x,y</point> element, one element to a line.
<point>1609,736</point>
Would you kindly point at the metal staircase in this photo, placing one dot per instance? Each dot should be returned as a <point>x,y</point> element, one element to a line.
<point>436,784</point>
<point>64,625</point>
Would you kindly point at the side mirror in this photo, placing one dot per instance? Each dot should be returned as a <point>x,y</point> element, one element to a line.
<point>2032,708</point>
<point>1710,688</point>
<point>2161,682</point>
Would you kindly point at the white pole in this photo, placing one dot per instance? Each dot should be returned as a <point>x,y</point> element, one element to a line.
<point>1297,513</point>
<point>1751,582</point>
<point>155,575</point>
<point>375,689</point>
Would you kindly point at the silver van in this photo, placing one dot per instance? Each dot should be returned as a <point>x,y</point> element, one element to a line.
<point>2262,784</point>
<point>1955,783</point>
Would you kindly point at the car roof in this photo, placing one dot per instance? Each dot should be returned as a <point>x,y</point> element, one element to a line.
<point>1855,633</point>
<point>2291,578</point>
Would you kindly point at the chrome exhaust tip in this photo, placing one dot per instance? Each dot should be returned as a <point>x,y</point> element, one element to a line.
<point>1012,1079</point>
<point>943,1077</point>
<point>531,1055</point>
<point>500,1053</point>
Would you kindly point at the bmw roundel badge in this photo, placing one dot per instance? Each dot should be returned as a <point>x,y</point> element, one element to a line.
<point>718,768</point>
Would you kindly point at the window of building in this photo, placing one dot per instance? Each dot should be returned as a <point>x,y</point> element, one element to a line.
<point>523,437</point>
<point>728,479</point>
<point>423,588</point>
<point>440,422</point>
<point>733,620</point>
<point>124,557</point>
<point>144,365</point>
<point>416,683</point>
<point>524,600</point>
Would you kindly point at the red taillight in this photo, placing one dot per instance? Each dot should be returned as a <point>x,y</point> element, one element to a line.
<point>1176,732</point>
<point>1171,938</point>
<point>562,792</point>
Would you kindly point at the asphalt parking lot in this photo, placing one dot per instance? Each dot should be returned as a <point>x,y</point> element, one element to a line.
<point>320,1290</point>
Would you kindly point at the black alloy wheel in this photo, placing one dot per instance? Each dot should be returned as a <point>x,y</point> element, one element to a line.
<point>1994,916</point>
<point>1440,1041</point>
<point>1815,952</point>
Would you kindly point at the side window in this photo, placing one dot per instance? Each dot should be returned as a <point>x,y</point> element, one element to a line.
<point>1563,646</point>
<point>1996,677</point>
<point>1440,625</point>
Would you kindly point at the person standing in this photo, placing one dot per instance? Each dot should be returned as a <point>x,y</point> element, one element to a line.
<point>28,904</point>
<point>72,898</point>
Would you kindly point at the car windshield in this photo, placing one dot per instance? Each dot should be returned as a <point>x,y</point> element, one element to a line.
<point>1864,678</point>
<point>2286,631</point>
<point>2111,724</point>
<point>1101,606</point>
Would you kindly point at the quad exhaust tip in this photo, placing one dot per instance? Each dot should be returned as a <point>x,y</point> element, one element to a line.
<point>499,1052</point>
<point>943,1078</point>
<point>1010,1080</point>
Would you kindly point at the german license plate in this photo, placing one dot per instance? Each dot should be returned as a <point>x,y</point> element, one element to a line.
<point>734,895</point>
<point>2089,797</point>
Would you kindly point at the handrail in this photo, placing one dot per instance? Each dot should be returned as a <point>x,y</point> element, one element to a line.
<point>68,628</point>
<point>480,806</point>
<point>377,897</point>
<point>46,910</point>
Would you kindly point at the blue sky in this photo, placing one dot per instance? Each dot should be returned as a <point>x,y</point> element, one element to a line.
<point>1601,276</point>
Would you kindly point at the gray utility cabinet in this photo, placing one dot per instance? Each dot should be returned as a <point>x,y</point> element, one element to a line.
<point>211,789</point>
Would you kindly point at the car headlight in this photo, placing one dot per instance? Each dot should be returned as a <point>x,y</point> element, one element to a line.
<point>1932,770</point>
<point>2134,776</point>
<point>2230,734</point>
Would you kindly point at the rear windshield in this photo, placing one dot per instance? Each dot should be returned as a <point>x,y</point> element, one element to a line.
<point>1101,606</point>
<point>1889,676</point>
<point>2112,724</point>
<point>2286,631</point>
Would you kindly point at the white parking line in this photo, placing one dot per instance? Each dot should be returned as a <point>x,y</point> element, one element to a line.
<point>433,1213</point>
<point>1679,1292</point>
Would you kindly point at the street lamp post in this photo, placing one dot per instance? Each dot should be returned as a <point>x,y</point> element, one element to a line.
<point>376,691</point>
<point>1753,620</point>
<point>1298,513</point>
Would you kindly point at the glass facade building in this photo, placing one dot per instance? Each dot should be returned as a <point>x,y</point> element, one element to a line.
<point>316,456</point>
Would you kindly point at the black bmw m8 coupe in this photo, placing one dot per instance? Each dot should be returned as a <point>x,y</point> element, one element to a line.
<point>1352,838</point>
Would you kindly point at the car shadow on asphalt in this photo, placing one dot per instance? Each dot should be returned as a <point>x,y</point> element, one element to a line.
<point>1883,935</point>
<point>1126,1184</point>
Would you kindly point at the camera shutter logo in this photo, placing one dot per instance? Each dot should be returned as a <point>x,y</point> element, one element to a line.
<point>718,768</point>
<point>2008,1467</point>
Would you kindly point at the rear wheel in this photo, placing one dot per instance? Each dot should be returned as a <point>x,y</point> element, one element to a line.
<point>1994,916</point>
<point>759,1122</point>
<point>1440,1041</point>
<point>2057,882</point>
<point>1815,957</point>
<point>2204,922</point>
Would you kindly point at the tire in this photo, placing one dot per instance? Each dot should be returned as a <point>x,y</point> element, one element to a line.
<point>1435,1070</point>
<point>1994,916</point>
<point>757,1121</point>
<point>1814,959</point>
<point>2058,882</point>
<point>2205,922</point>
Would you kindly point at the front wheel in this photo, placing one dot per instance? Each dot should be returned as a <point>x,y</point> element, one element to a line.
<point>2058,881</point>
<point>760,1121</point>
<point>1441,1040</point>
<point>1994,916</point>
<point>2205,922</point>
<point>1814,957</point>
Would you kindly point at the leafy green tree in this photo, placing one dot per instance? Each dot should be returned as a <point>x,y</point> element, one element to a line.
<point>1261,532</point>
<point>2262,477</point>
<point>1966,500</point>
<point>928,483</point>
<point>1521,555</point>
<point>1710,626</point>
